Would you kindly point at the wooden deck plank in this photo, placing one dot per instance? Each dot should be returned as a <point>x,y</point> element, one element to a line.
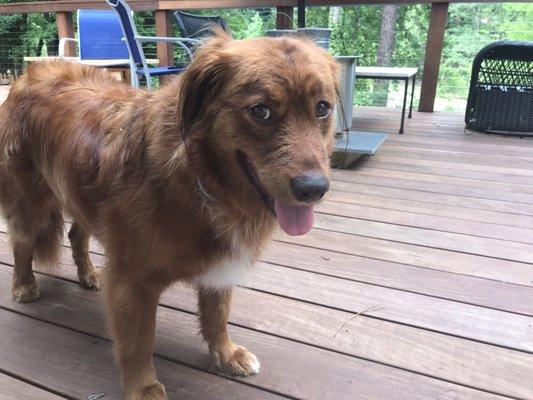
<point>466,144</point>
<point>177,300</point>
<point>522,200</point>
<point>456,171</point>
<point>494,186</point>
<point>467,289</point>
<point>79,365</point>
<point>441,260</point>
<point>376,188</point>
<point>468,244</point>
<point>335,376</point>
<point>451,286</point>
<point>370,338</point>
<point>445,357</point>
<point>420,207</point>
<point>15,389</point>
<point>493,161</point>
<point>483,172</point>
<point>428,222</point>
<point>463,320</point>
<point>460,143</point>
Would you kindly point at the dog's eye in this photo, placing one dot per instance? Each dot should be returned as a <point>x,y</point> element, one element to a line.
<point>261,111</point>
<point>323,109</point>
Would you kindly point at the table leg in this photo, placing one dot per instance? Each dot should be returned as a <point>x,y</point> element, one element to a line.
<point>404,104</point>
<point>412,94</point>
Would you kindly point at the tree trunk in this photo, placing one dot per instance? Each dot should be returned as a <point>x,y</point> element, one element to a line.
<point>389,15</point>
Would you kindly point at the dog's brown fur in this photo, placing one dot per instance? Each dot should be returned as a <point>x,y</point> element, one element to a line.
<point>126,166</point>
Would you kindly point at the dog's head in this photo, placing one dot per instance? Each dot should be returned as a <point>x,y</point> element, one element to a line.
<point>261,111</point>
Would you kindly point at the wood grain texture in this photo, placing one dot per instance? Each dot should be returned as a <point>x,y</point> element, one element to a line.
<point>451,286</point>
<point>522,202</point>
<point>434,44</point>
<point>463,243</point>
<point>79,365</point>
<point>14,389</point>
<point>428,222</point>
<point>425,257</point>
<point>163,27</point>
<point>425,204</point>
<point>65,29</point>
<point>436,194</point>
<point>287,364</point>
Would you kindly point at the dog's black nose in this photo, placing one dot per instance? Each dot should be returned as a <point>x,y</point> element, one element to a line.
<point>309,187</point>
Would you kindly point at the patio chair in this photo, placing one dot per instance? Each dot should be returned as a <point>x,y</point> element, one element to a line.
<point>500,99</point>
<point>99,39</point>
<point>198,26</point>
<point>138,65</point>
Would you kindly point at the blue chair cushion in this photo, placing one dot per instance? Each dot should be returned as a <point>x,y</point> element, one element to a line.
<point>159,71</point>
<point>100,36</point>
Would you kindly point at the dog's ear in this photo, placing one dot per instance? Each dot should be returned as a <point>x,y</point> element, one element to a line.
<point>202,80</point>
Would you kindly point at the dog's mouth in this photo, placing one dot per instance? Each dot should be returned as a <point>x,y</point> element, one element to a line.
<point>294,220</point>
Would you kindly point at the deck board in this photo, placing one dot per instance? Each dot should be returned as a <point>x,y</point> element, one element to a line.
<point>415,283</point>
<point>177,340</point>
<point>15,389</point>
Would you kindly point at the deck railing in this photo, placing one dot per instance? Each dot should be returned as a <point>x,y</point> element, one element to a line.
<point>435,37</point>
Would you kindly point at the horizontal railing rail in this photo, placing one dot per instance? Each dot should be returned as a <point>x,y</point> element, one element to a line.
<point>435,38</point>
<point>150,5</point>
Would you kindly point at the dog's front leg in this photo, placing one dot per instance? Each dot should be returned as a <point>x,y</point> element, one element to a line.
<point>132,311</point>
<point>229,358</point>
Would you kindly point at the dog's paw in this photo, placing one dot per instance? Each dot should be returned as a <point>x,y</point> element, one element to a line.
<point>236,360</point>
<point>26,293</point>
<point>155,391</point>
<point>91,280</point>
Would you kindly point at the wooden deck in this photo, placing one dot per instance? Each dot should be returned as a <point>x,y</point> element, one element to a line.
<point>417,283</point>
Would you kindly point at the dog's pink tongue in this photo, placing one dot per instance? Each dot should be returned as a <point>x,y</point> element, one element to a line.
<point>294,220</point>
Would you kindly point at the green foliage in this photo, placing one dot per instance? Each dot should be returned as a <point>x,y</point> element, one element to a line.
<point>26,35</point>
<point>357,32</point>
<point>317,17</point>
<point>255,28</point>
<point>518,23</point>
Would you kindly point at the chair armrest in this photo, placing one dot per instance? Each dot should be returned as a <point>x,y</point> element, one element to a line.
<point>179,41</point>
<point>166,39</point>
<point>62,44</point>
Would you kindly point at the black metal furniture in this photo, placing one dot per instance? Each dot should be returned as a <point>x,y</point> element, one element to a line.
<point>393,73</point>
<point>500,99</point>
<point>198,26</point>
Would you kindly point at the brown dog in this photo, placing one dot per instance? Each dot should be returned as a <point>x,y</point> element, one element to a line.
<point>184,183</point>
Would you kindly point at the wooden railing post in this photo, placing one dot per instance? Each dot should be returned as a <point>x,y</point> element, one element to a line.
<point>434,43</point>
<point>65,28</point>
<point>165,51</point>
<point>284,17</point>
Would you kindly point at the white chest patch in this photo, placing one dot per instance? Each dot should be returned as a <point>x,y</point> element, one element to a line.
<point>231,271</point>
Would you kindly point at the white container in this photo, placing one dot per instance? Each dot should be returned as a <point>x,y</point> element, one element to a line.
<point>344,109</point>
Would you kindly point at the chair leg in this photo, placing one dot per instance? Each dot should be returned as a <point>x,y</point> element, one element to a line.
<point>404,105</point>
<point>412,94</point>
<point>148,82</point>
<point>133,79</point>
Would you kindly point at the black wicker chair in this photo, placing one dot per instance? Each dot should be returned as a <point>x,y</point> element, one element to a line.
<point>500,99</point>
<point>198,26</point>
